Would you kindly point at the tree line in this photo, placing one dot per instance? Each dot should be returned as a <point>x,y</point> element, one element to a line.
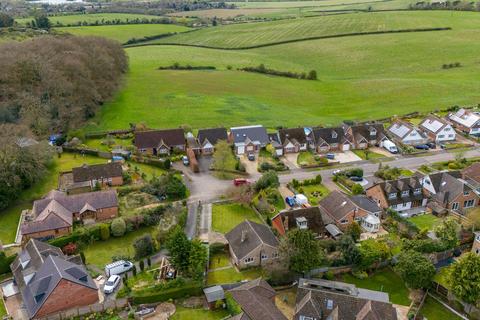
<point>312,74</point>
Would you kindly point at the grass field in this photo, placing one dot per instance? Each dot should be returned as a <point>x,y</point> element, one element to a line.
<point>423,221</point>
<point>432,309</point>
<point>383,280</point>
<point>226,216</point>
<point>183,313</point>
<point>360,77</point>
<point>90,18</point>
<point>123,33</point>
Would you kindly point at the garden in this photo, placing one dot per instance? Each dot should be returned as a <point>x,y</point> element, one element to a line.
<point>425,221</point>
<point>367,154</point>
<point>226,216</point>
<point>313,189</point>
<point>232,275</point>
<point>267,160</point>
<point>307,159</point>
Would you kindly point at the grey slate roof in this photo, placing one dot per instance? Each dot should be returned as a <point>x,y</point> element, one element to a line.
<point>366,204</point>
<point>337,205</point>
<point>97,171</point>
<point>294,135</point>
<point>214,293</point>
<point>403,184</point>
<point>316,219</point>
<point>154,138</point>
<point>447,186</point>
<point>329,135</point>
<point>256,133</point>
<point>254,235</point>
<point>39,268</point>
<point>213,135</point>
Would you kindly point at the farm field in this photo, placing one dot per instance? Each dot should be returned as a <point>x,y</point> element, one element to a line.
<point>123,33</point>
<point>90,18</point>
<point>360,77</point>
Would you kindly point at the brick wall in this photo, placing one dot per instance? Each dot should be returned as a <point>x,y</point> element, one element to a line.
<point>48,233</point>
<point>107,213</point>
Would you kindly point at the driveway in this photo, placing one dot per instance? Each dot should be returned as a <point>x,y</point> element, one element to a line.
<point>290,160</point>
<point>346,156</point>
<point>250,166</point>
<point>381,151</point>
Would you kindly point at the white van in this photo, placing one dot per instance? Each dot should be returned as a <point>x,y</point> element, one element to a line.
<point>390,146</point>
<point>118,267</point>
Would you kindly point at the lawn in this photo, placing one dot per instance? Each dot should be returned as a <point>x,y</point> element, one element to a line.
<point>306,158</point>
<point>441,277</point>
<point>371,155</point>
<point>3,310</point>
<point>226,216</point>
<point>219,260</point>
<point>100,253</point>
<point>123,33</point>
<point>231,275</point>
<point>183,313</point>
<point>383,280</point>
<point>433,309</point>
<point>74,19</point>
<point>407,76</point>
<point>314,193</point>
<point>428,221</point>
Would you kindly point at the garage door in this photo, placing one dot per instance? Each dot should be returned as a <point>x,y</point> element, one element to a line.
<point>346,147</point>
<point>241,150</point>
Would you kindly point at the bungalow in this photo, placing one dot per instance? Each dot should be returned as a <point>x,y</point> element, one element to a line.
<point>466,121</point>
<point>400,195</point>
<point>343,210</point>
<point>86,177</point>
<point>53,216</point>
<point>208,138</point>
<point>437,129</point>
<point>252,244</point>
<point>274,141</point>
<point>330,139</point>
<point>451,192</point>
<point>248,139</point>
<point>366,135</point>
<point>293,140</point>
<point>305,218</point>
<point>331,300</point>
<point>406,133</point>
<point>50,282</point>
<point>159,142</point>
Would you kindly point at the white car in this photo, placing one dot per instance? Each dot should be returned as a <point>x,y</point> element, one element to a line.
<point>337,171</point>
<point>111,284</point>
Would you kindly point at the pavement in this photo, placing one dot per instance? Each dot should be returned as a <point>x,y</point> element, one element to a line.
<point>191,225</point>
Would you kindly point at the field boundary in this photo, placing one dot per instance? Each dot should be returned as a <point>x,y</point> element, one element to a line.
<point>342,35</point>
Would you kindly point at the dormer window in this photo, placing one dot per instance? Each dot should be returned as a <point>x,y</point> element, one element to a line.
<point>392,195</point>
<point>466,193</point>
<point>417,191</point>
<point>405,193</point>
<point>334,135</point>
<point>302,223</point>
<point>373,132</point>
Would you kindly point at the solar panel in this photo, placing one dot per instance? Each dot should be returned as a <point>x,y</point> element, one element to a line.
<point>77,273</point>
<point>43,285</point>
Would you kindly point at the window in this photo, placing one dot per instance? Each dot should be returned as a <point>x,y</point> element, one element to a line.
<point>441,136</point>
<point>264,256</point>
<point>451,136</point>
<point>413,134</point>
<point>466,193</point>
<point>417,191</point>
<point>447,129</point>
<point>469,203</point>
<point>248,260</point>
<point>344,221</point>
<point>455,206</point>
<point>394,206</point>
<point>373,132</point>
<point>305,318</point>
<point>392,195</point>
<point>334,135</point>
<point>405,193</point>
<point>358,219</point>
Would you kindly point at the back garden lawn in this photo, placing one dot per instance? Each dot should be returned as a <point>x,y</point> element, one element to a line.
<point>183,313</point>
<point>428,221</point>
<point>226,216</point>
<point>231,275</point>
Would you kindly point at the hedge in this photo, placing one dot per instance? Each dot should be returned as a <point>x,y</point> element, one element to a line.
<point>192,289</point>
<point>5,262</point>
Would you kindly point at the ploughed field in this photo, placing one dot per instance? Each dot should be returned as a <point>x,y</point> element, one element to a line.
<point>359,77</point>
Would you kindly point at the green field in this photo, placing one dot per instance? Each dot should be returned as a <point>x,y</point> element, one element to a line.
<point>91,18</point>
<point>123,33</point>
<point>360,77</point>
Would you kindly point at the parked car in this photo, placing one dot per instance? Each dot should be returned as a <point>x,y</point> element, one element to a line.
<point>443,146</point>
<point>422,147</point>
<point>240,181</point>
<point>185,161</point>
<point>356,179</point>
<point>336,172</point>
<point>118,267</point>
<point>251,157</point>
<point>330,156</point>
<point>390,146</point>
<point>431,145</point>
<point>111,284</point>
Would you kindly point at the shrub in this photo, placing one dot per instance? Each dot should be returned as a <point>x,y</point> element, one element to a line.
<point>189,289</point>
<point>267,180</point>
<point>70,249</point>
<point>357,189</point>
<point>232,306</point>
<point>328,275</point>
<point>104,231</point>
<point>360,274</point>
<point>143,246</point>
<point>118,227</point>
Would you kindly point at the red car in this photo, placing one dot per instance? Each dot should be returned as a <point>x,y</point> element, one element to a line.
<point>240,181</point>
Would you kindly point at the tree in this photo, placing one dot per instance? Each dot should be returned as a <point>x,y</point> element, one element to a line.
<point>141,264</point>
<point>179,248</point>
<point>223,158</point>
<point>447,232</point>
<point>5,20</point>
<point>354,230</point>
<point>143,246</point>
<point>465,278</point>
<point>349,249</point>
<point>312,75</point>
<point>373,251</point>
<point>357,189</point>
<point>42,22</point>
<point>197,259</point>
<point>473,218</point>
<point>301,251</point>
<point>118,227</point>
<point>268,180</point>
<point>168,185</point>
<point>415,269</point>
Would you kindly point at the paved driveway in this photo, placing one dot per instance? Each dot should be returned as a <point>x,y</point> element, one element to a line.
<point>290,160</point>
<point>250,166</point>
<point>346,156</point>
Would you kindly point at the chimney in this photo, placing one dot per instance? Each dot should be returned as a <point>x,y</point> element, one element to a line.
<point>244,236</point>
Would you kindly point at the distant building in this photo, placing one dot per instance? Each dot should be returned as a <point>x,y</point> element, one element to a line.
<point>293,140</point>
<point>466,121</point>
<point>248,139</point>
<point>50,282</point>
<point>159,142</point>
<point>208,138</point>
<point>438,130</point>
<point>366,135</point>
<point>85,178</point>
<point>406,133</point>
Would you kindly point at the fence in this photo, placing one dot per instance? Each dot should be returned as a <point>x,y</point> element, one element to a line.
<point>94,308</point>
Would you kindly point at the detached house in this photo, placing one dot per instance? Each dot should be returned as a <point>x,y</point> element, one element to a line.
<point>451,192</point>
<point>343,210</point>
<point>406,133</point>
<point>366,135</point>
<point>53,216</point>
<point>86,177</point>
<point>400,195</point>
<point>248,139</point>
<point>305,218</point>
<point>471,175</point>
<point>159,142</point>
<point>208,138</point>
<point>293,140</point>
<point>252,244</point>
<point>274,141</point>
<point>50,282</point>
<point>437,129</point>
<point>466,121</point>
<point>330,139</point>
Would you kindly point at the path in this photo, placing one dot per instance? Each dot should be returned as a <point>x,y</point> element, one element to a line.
<point>191,225</point>
<point>205,221</point>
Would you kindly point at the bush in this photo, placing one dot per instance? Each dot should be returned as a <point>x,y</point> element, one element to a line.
<point>232,306</point>
<point>267,180</point>
<point>360,274</point>
<point>143,246</point>
<point>118,227</point>
<point>5,262</point>
<point>190,289</point>
<point>357,189</point>
<point>104,231</point>
<point>328,275</point>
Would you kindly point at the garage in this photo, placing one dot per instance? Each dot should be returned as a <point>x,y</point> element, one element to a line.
<point>240,149</point>
<point>346,147</point>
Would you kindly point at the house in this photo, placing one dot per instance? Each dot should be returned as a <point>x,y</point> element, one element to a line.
<point>304,218</point>
<point>293,140</point>
<point>450,191</point>
<point>402,195</point>
<point>53,216</point>
<point>471,175</point>
<point>466,121</point>
<point>330,139</point>
<point>437,129</point>
<point>208,138</point>
<point>344,210</point>
<point>256,298</point>
<point>248,139</point>
<point>476,243</point>
<point>193,144</point>
<point>406,133</point>
<point>49,281</point>
<point>366,135</point>
<point>86,177</point>
<point>331,300</point>
<point>274,141</point>
<point>252,244</point>
<point>159,142</point>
